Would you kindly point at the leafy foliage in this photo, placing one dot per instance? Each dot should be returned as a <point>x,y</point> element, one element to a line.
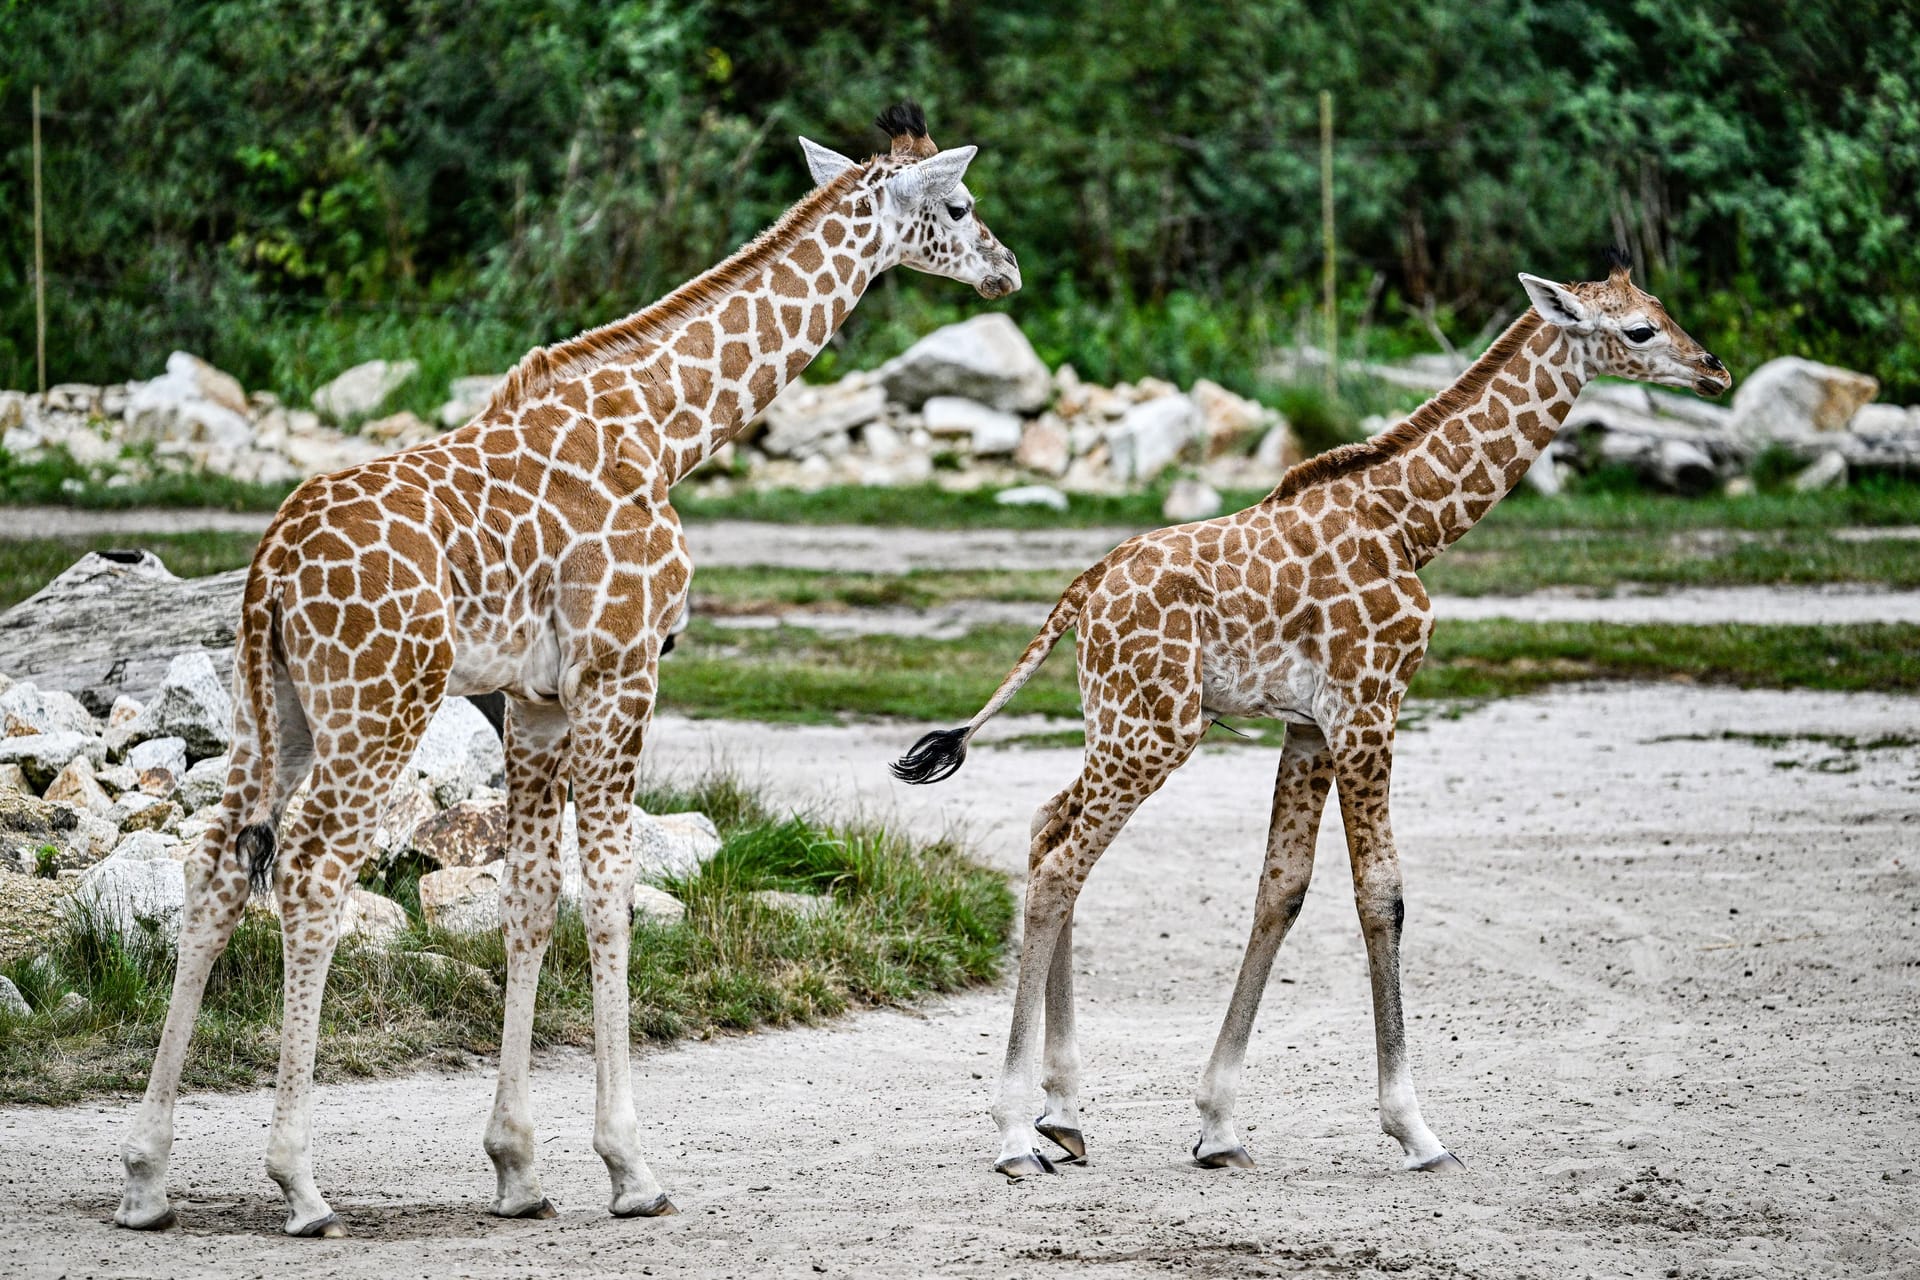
<point>286,187</point>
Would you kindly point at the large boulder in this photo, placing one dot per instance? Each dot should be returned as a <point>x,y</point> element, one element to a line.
<point>467,834</point>
<point>987,431</point>
<point>804,420</point>
<point>466,397</point>
<point>203,784</point>
<point>1229,422</point>
<point>25,708</point>
<point>1190,500</point>
<point>363,388</point>
<point>985,358</point>
<point>1151,435</point>
<point>77,786</point>
<point>1792,398</point>
<point>192,402</point>
<point>193,705</point>
<point>41,756</point>
<point>459,753</point>
<point>1044,447</point>
<point>144,882</point>
<point>12,1003</point>
<point>463,899</point>
<point>370,916</point>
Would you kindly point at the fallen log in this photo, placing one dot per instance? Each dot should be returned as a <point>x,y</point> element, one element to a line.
<point>111,623</point>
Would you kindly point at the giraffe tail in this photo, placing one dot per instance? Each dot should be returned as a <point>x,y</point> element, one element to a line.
<point>939,755</point>
<point>256,715</point>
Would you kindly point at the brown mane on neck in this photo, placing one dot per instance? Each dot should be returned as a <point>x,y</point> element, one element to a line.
<point>1466,389</point>
<point>542,368</point>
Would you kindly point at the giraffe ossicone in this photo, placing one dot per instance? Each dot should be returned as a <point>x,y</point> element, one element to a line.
<point>532,552</point>
<point>1306,608</point>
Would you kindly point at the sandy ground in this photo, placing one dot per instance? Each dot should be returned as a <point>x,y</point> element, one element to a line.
<point>1662,998</point>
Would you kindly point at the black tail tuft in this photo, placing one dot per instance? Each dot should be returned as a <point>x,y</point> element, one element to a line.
<point>256,848</point>
<point>937,756</point>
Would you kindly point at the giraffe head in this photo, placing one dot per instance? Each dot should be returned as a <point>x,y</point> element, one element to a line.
<point>1626,333</point>
<point>926,210</point>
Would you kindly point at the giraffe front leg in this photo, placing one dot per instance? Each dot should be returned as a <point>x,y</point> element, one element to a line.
<point>1363,765</point>
<point>535,742</point>
<point>1299,795</point>
<point>606,745</point>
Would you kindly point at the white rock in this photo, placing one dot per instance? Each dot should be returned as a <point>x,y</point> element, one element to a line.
<point>193,705</point>
<point>193,402</point>
<point>14,779</point>
<point>1032,495</point>
<point>1278,449</point>
<point>129,805</point>
<point>459,753</point>
<point>149,846</point>
<point>203,784</point>
<point>463,899</point>
<point>72,1003</point>
<point>372,917</point>
<point>985,358</point>
<point>125,890</point>
<point>1151,436</point>
<point>41,756</point>
<point>1829,471</point>
<point>1884,420</point>
<point>657,905</point>
<point>361,389</point>
<point>75,785</point>
<point>803,418</point>
<point>807,906</point>
<point>666,844</point>
<point>26,708</point>
<point>882,442</point>
<point>466,397</point>
<point>12,1002</point>
<point>396,429</point>
<point>1191,500</point>
<point>988,431</point>
<point>1792,398</point>
<point>1045,446</point>
<point>168,753</point>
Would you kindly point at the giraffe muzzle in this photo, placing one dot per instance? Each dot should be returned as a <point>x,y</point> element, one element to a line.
<point>1716,381</point>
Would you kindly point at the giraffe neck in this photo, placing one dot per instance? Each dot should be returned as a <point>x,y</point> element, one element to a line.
<point>673,383</point>
<point>1468,447</point>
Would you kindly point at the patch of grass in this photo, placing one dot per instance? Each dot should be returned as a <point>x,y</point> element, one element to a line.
<point>724,591</point>
<point>931,507</point>
<point>1846,749</point>
<point>796,674</point>
<point>906,920</point>
<point>28,564</point>
<point>55,479</point>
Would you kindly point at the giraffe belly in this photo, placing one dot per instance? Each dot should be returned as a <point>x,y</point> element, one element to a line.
<point>524,665</point>
<point>1233,684</point>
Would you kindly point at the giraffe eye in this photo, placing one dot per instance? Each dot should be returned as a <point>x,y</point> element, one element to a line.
<point>958,211</point>
<point>1639,333</point>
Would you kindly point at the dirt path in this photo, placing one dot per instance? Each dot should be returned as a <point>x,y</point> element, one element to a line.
<point>1662,1002</point>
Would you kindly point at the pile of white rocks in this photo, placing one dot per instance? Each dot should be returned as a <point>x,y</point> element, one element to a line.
<point>969,406</point>
<point>114,807</point>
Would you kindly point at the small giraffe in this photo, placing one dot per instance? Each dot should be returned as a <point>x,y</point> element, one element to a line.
<point>534,552</point>
<point>1307,608</point>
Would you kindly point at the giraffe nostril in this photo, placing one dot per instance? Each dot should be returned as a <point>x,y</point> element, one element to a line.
<point>1713,362</point>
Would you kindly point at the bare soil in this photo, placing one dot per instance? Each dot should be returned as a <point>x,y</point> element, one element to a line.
<point>1661,987</point>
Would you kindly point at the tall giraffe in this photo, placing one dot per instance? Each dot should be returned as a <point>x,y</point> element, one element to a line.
<point>532,551</point>
<point>1307,608</point>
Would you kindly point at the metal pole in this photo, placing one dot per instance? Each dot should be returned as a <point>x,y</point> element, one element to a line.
<point>1326,236</point>
<point>39,256</point>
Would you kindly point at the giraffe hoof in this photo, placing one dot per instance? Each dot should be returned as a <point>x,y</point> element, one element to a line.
<point>168,1218</point>
<point>1231,1158</point>
<point>327,1228</point>
<point>658,1207</point>
<point>1030,1165</point>
<point>543,1209</point>
<point>1445,1162</point>
<point>1070,1141</point>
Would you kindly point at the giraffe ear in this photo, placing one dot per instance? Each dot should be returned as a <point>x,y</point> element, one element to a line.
<point>824,163</point>
<point>1557,304</point>
<point>932,178</point>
